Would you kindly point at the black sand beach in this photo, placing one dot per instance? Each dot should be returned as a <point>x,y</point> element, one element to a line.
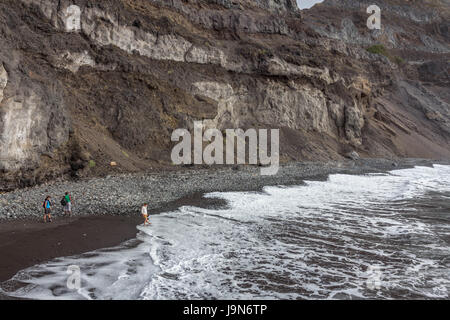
<point>26,240</point>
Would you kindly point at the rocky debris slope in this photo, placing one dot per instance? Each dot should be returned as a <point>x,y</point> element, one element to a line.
<point>85,83</point>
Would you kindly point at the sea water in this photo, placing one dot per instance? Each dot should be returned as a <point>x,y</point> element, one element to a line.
<point>374,236</point>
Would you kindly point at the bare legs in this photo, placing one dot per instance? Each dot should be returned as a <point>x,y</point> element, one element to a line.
<point>146,220</point>
<point>49,216</point>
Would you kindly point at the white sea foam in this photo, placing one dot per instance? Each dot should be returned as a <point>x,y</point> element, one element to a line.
<point>318,240</point>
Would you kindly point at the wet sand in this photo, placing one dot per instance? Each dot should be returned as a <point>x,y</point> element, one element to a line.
<point>26,243</point>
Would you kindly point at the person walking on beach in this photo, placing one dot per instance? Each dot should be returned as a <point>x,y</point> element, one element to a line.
<point>145,214</point>
<point>67,204</point>
<point>47,209</point>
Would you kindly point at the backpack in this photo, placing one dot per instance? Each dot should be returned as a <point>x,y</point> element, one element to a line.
<point>63,201</point>
<point>44,205</point>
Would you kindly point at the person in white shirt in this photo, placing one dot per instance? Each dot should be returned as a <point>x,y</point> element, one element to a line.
<point>145,214</point>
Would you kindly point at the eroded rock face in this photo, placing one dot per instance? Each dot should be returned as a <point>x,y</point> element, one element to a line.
<point>227,100</point>
<point>30,126</point>
<point>275,5</point>
<point>20,119</point>
<point>401,35</point>
<point>73,61</point>
<point>301,108</point>
<point>354,122</point>
<point>272,5</point>
<point>130,72</point>
<point>295,107</point>
<point>33,119</point>
<point>104,29</point>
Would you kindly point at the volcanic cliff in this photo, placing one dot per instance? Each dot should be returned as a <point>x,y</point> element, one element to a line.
<point>75,97</point>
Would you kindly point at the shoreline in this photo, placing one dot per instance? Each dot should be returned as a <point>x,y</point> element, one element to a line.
<point>24,244</point>
<point>26,240</point>
<point>124,194</point>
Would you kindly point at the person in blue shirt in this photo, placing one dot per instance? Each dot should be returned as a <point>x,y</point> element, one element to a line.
<point>47,209</point>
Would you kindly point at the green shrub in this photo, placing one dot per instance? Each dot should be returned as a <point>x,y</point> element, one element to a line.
<point>91,163</point>
<point>378,49</point>
<point>399,60</point>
